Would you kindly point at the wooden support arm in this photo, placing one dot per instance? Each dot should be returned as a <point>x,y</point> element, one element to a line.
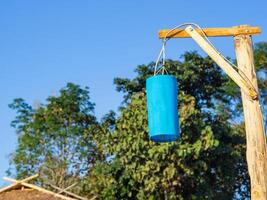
<point>211,32</point>
<point>221,62</point>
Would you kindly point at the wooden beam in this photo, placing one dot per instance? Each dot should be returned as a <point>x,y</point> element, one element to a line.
<point>22,183</point>
<point>10,187</point>
<point>17,183</point>
<point>212,32</point>
<point>221,62</point>
<point>67,188</point>
<point>68,193</point>
<point>38,188</point>
<point>255,134</point>
<point>23,180</point>
<point>46,191</point>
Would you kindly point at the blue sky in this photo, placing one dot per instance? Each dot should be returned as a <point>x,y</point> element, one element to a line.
<point>45,44</point>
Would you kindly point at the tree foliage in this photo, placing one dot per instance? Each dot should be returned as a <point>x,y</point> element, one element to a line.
<point>57,138</point>
<point>114,159</point>
<point>260,55</point>
<point>206,163</point>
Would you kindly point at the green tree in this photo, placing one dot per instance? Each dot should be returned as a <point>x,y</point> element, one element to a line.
<point>260,55</point>
<point>206,163</point>
<point>114,159</point>
<point>56,139</point>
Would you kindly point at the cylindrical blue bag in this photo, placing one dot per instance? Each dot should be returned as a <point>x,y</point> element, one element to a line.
<point>163,122</point>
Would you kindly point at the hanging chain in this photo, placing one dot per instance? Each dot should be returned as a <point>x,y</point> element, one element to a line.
<point>161,60</point>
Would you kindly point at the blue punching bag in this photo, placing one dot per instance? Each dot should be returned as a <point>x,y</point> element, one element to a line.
<point>162,108</point>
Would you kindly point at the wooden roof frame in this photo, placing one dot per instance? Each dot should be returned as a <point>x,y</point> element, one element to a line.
<point>16,184</point>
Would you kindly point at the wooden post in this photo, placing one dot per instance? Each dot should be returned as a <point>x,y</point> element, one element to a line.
<point>256,141</point>
<point>255,135</point>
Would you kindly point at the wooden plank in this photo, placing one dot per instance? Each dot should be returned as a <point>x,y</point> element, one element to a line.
<point>28,185</point>
<point>212,32</point>
<point>226,67</point>
<point>256,141</point>
<point>68,193</point>
<point>10,187</point>
<point>23,180</point>
<point>65,189</point>
<point>47,191</point>
<point>17,183</point>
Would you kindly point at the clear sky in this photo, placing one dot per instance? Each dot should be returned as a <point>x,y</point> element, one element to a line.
<point>45,44</point>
